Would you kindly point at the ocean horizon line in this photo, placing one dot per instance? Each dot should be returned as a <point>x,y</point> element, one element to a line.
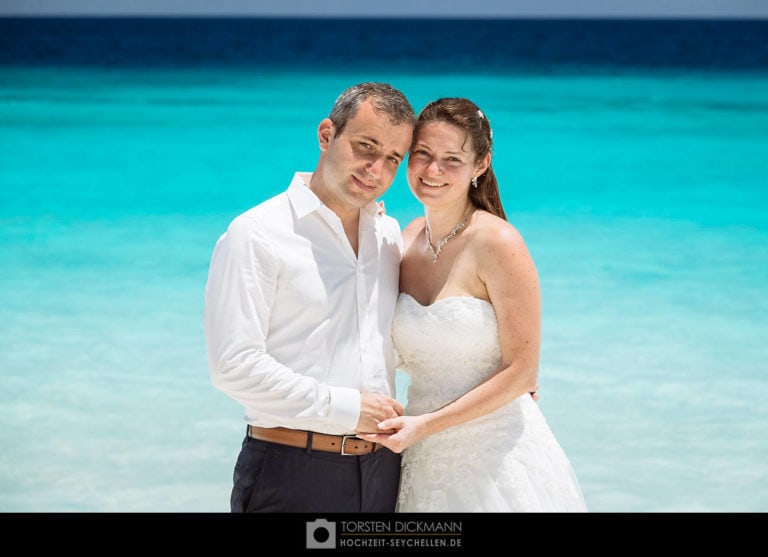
<point>442,17</point>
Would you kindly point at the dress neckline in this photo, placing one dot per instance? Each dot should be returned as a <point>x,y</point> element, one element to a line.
<point>446,299</point>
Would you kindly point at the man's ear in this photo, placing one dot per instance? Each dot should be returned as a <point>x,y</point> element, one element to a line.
<point>325,132</point>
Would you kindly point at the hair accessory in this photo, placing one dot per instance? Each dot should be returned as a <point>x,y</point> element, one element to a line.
<point>482,117</point>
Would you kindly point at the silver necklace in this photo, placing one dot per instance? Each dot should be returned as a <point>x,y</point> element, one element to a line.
<point>441,245</point>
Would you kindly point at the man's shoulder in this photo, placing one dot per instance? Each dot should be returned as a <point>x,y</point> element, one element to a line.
<point>388,224</point>
<point>266,211</point>
<point>258,221</point>
<point>388,230</point>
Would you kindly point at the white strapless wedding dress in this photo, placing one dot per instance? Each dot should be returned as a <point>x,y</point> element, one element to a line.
<point>506,461</point>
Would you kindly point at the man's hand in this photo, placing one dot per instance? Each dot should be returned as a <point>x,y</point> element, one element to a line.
<point>375,408</point>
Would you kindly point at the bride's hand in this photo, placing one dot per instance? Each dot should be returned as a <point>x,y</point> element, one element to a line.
<point>406,430</point>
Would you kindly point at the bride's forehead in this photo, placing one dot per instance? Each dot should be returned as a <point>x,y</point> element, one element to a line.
<point>443,136</point>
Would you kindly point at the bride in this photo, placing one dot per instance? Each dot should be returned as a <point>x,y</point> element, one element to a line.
<point>467,330</point>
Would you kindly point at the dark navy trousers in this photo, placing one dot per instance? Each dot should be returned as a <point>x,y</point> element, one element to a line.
<point>276,478</point>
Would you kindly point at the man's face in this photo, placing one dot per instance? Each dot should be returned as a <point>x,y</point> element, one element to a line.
<point>359,164</point>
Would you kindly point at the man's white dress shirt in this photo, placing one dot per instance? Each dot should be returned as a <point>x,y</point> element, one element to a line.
<point>296,325</point>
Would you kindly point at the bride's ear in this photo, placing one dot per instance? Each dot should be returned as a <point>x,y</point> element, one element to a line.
<point>483,165</point>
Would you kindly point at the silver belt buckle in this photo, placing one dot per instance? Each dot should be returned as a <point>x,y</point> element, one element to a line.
<point>344,443</point>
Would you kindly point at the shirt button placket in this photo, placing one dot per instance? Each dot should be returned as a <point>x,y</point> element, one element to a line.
<point>362,308</point>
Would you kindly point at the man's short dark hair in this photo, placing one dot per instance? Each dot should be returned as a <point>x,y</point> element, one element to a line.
<point>386,100</point>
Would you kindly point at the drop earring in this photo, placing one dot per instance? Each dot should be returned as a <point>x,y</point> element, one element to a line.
<point>474,182</point>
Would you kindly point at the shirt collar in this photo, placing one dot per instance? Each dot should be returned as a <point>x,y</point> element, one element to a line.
<point>305,201</point>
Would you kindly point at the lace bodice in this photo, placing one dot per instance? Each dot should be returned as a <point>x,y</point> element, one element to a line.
<point>447,348</point>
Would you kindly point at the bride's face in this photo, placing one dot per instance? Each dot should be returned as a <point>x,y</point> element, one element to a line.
<point>441,164</point>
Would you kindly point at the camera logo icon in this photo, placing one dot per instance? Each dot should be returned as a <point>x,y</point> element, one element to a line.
<point>321,534</point>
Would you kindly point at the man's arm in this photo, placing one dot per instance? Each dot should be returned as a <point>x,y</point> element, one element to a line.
<point>239,295</point>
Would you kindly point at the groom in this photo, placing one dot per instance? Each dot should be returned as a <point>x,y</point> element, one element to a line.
<point>298,305</point>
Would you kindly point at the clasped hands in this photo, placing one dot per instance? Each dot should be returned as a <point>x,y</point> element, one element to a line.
<point>382,421</point>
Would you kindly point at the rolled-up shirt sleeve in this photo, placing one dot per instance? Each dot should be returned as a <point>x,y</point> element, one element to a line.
<point>239,298</point>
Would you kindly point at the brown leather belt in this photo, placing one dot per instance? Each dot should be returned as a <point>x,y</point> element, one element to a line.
<point>340,444</point>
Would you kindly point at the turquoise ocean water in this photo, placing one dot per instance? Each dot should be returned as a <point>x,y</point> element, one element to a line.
<point>642,191</point>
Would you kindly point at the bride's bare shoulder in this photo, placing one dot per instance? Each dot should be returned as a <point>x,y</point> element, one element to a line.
<point>495,230</point>
<point>413,230</point>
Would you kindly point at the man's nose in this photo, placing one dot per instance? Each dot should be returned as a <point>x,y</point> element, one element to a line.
<point>375,167</point>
